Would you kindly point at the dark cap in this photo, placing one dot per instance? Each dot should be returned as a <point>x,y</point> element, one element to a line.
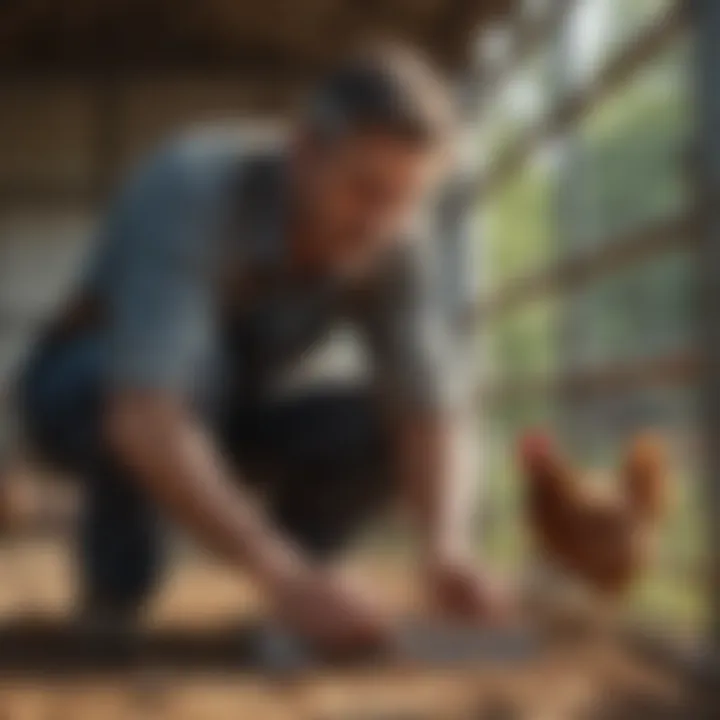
<point>384,87</point>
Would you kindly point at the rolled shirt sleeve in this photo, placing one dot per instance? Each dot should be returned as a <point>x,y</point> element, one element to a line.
<point>160,294</point>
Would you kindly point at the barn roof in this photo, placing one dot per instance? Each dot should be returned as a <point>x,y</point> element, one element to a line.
<point>275,40</point>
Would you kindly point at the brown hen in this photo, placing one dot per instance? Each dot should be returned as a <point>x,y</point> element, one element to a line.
<point>603,534</point>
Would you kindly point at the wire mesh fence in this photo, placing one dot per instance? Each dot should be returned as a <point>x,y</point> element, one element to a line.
<point>590,230</point>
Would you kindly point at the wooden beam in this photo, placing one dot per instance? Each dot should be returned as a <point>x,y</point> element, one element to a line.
<point>56,649</point>
<point>678,368</point>
<point>529,36</point>
<point>152,37</point>
<point>17,195</point>
<point>581,269</point>
<point>460,21</point>
<point>706,18</point>
<point>576,104</point>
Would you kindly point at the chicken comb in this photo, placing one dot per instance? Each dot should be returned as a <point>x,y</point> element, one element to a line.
<point>535,445</point>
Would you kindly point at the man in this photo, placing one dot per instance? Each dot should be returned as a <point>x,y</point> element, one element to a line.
<point>216,271</point>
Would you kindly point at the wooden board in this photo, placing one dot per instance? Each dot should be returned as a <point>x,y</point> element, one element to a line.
<point>45,648</point>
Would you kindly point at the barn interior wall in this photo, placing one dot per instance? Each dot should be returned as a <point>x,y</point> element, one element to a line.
<point>52,161</point>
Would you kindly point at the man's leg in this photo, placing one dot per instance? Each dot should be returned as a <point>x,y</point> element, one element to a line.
<point>325,461</point>
<point>119,534</point>
<point>120,544</point>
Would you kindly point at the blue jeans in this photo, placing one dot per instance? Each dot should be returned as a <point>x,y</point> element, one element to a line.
<point>322,458</point>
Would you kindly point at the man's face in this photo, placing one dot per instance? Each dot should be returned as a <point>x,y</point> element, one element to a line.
<point>359,193</point>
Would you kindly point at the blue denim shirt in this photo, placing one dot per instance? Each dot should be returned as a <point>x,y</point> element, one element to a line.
<point>174,236</point>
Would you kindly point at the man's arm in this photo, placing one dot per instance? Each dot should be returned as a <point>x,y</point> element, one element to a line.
<point>432,490</point>
<point>409,341</point>
<point>411,345</point>
<point>177,463</point>
<point>161,339</point>
<point>162,308</point>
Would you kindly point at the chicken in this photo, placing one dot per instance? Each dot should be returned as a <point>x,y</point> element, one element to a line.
<point>602,533</point>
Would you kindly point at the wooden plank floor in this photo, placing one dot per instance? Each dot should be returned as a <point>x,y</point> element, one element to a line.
<point>201,604</point>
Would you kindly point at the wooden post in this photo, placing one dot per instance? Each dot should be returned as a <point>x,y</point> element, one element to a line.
<point>457,238</point>
<point>706,23</point>
<point>570,328</point>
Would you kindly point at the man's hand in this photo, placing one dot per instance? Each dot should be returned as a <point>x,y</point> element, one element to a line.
<point>436,494</point>
<point>333,617</point>
<point>459,591</point>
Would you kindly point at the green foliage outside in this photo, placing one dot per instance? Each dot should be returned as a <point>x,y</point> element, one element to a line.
<point>624,165</point>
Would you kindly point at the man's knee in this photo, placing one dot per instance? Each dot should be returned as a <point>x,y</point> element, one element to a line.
<point>61,403</point>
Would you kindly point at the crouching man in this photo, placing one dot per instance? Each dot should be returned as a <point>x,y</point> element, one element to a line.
<point>217,270</point>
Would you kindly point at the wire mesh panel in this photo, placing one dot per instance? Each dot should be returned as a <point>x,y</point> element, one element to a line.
<point>588,316</point>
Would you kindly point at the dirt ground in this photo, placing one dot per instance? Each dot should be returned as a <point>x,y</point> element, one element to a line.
<point>592,681</point>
